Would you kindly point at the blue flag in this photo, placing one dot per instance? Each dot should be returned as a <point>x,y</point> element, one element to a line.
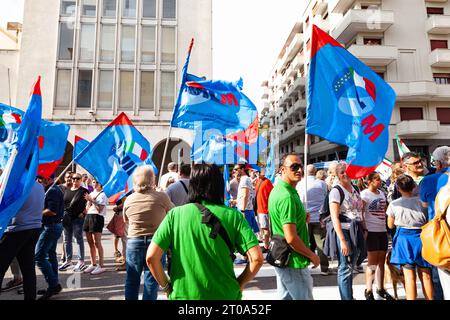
<point>212,146</point>
<point>114,154</point>
<point>79,146</point>
<point>270,171</point>
<point>217,105</point>
<point>52,139</point>
<point>23,171</point>
<point>348,104</point>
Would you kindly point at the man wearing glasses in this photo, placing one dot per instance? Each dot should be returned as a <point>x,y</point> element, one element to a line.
<point>289,220</point>
<point>413,166</point>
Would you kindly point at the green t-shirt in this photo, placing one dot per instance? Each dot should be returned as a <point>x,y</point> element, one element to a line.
<point>201,267</point>
<point>285,207</point>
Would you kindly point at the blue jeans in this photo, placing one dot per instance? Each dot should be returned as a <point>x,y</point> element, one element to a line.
<point>345,268</point>
<point>135,260</point>
<point>294,284</point>
<point>45,253</point>
<point>74,230</point>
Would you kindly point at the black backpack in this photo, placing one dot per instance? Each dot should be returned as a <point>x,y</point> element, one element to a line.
<point>325,209</point>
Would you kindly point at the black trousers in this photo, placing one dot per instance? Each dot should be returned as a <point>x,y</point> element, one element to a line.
<point>22,245</point>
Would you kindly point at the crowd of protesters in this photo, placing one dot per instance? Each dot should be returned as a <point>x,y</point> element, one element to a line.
<point>183,239</point>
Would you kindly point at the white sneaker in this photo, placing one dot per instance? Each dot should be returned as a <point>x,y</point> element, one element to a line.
<point>79,267</point>
<point>90,268</point>
<point>98,270</point>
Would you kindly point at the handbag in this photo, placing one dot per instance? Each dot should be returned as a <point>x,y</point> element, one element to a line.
<point>117,226</point>
<point>435,236</point>
<point>279,252</point>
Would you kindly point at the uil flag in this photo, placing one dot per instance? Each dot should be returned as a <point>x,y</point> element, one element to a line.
<point>219,105</point>
<point>79,145</point>
<point>348,104</point>
<point>114,154</point>
<point>270,171</point>
<point>52,139</point>
<point>23,169</point>
<point>402,148</point>
<point>226,179</point>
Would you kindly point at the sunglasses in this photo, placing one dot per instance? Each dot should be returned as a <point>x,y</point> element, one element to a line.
<point>295,166</point>
<point>76,178</point>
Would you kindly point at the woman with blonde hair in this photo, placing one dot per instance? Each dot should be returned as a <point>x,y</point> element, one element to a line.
<point>144,210</point>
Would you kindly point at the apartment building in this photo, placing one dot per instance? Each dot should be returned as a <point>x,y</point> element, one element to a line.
<point>404,41</point>
<point>10,35</point>
<point>98,58</point>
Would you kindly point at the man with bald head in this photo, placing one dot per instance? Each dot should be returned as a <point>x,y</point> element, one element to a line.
<point>316,193</point>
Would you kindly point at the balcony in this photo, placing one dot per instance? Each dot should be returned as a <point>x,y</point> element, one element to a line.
<point>374,55</point>
<point>265,121</point>
<point>357,21</point>
<point>418,90</point>
<point>265,108</point>
<point>299,106</point>
<point>265,94</point>
<point>298,62</point>
<point>414,128</point>
<point>440,58</point>
<point>272,114</point>
<point>294,131</point>
<point>438,24</point>
<point>339,6</point>
<point>299,83</point>
<point>295,46</point>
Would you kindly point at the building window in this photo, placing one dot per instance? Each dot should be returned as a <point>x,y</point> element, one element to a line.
<point>147,90</point>
<point>65,51</point>
<point>87,40</point>
<point>431,11</point>
<point>109,8</point>
<point>126,90</point>
<point>380,74</point>
<point>89,8</point>
<point>128,38</point>
<point>372,42</point>
<point>411,114</point>
<point>84,89</point>
<point>63,89</point>
<point>148,45</point>
<point>105,89</point>
<point>443,115</point>
<point>169,9</point>
<point>168,45</point>
<point>167,90</point>
<point>149,9</point>
<point>68,7</point>
<point>107,45</point>
<point>129,9</point>
<point>438,44</point>
<point>441,78</point>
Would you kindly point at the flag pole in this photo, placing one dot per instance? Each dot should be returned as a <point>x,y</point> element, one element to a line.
<point>59,177</point>
<point>5,176</point>
<point>305,173</point>
<point>164,155</point>
<point>183,79</point>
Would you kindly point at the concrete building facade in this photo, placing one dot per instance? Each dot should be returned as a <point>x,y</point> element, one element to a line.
<point>98,58</point>
<point>404,41</point>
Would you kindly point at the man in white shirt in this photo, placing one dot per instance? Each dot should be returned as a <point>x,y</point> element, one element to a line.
<point>173,168</point>
<point>178,191</point>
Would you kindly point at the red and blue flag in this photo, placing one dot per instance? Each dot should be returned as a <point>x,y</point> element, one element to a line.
<point>114,154</point>
<point>348,104</point>
<point>79,145</point>
<point>52,139</point>
<point>23,169</point>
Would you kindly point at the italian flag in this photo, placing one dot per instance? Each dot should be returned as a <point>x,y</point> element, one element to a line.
<point>402,148</point>
<point>384,169</point>
<point>364,83</point>
<point>136,149</point>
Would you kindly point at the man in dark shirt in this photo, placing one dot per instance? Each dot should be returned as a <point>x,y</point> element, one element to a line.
<point>52,228</point>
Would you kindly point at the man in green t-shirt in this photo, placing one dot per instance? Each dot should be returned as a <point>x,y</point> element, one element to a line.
<point>201,267</point>
<point>289,219</point>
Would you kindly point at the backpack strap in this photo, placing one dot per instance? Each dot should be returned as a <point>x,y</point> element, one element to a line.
<point>184,186</point>
<point>216,227</point>
<point>341,194</point>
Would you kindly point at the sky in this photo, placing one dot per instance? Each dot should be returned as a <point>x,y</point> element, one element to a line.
<point>247,37</point>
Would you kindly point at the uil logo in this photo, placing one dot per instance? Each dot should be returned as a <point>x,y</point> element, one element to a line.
<point>356,95</point>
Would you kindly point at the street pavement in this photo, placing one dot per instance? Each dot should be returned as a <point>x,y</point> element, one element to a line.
<point>110,285</point>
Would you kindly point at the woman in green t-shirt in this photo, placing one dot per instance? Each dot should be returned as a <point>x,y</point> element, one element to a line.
<point>201,266</point>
